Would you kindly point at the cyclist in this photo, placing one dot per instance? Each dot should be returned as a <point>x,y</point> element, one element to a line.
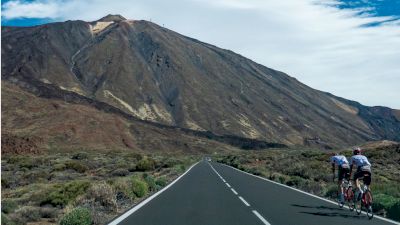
<point>343,171</point>
<point>363,168</point>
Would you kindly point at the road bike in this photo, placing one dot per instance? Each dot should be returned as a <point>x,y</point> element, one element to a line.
<point>348,195</point>
<point>365,201</point>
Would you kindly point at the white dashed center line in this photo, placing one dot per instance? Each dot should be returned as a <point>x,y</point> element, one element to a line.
<point>244,201</point>
<point>240,197</point>
<point>234,192</point>
<point>261,218</point>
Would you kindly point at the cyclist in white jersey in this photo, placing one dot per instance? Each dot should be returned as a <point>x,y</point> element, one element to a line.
<point>343,171</point>
<point>363,169</point>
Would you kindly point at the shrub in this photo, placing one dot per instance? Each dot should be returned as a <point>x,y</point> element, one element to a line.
<point>77,166</point>
<point>161,182</point>
<point>59,167</point>
<point>27,214</point>
<point>5,220</point>
<point>61,195</point>
<point>393,211</point>
<point>5,183</point>
<point>135,156</point>
<point>29,163</point>
<point>48,212</point>
<point>78,216</point>
<point>151,183</point>
<point>123,189</point>
<point>383,201</point>
<point>139,187</point>
<point>120,172</point>
<point>8,206</point>
<point>145,164</point>
<point>103,194</point>
<point>80,156</point>
<point>331,191</point>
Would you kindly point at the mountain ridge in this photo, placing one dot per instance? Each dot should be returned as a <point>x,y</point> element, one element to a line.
<point>159,75</point>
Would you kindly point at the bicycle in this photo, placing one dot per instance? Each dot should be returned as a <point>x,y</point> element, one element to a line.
<point>365,201</point>
<point>348,195</point>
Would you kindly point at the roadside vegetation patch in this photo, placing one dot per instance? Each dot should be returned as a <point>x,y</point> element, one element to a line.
<point>87,186</point>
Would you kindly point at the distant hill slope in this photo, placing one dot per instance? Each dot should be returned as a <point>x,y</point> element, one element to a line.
<point>32,124</point>
<point>158,75</point>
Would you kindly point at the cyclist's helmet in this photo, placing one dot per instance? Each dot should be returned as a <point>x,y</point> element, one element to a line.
<point>356,151</point>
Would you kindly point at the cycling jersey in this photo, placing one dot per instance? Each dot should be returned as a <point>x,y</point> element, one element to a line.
<point>339,160</point>
<point>359,161</point>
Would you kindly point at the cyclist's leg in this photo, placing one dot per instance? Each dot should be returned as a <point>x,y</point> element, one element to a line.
<point>356,178</point>
<point>367,179</point>
<point>340,183</point>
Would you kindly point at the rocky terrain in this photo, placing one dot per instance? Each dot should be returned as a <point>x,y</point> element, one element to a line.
<point>149,73</point>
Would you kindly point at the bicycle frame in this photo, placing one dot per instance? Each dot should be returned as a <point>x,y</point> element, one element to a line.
<point>365,201</point>
<point>348,194</point>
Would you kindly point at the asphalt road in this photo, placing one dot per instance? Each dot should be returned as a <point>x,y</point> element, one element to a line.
<point>215,194</point>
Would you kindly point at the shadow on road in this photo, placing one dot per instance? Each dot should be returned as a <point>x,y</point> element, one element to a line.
<point>327,211</point>
<point>318,207</point>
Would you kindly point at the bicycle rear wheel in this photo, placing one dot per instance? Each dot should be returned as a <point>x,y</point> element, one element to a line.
<point>350,198</point>
<point>368,204</point>
<point>357,204</point>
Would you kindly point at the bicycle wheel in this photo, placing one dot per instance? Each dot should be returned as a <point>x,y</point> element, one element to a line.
<point>368,204</point>
<point>357,204</point>
<point>340,203</point>
<point>350,198</point>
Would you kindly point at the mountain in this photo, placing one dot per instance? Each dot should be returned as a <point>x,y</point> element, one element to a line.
<point>157,75</point>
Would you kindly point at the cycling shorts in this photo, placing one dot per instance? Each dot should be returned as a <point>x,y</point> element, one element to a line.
<point>343,172</point>
<point>364,174</point>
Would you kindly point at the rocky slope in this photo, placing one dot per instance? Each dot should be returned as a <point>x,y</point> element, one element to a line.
<point>157,75</point>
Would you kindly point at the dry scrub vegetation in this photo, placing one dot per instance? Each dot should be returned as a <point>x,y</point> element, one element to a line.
<point>88,187</point>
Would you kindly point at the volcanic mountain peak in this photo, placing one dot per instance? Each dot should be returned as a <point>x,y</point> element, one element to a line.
<point>112,18</point>
<point>158,75</point>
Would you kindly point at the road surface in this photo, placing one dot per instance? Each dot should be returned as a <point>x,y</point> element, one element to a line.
<point>215,194</point>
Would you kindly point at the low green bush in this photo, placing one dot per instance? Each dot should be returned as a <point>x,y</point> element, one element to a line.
<point>5,182</point>
<point>8,206</point>
<point>59,167</point>
<point>76,165</point>
<point>145,164</point>
<point>151,183</point>
<point>80,155</point>
<point>161,182</point>
<point>331,191</point>
<point>78,216</point>
<point>120,172</point>
<point>62,194</point>
<point>139,187</point>
<point>393,212</point>
<point>5,220</point>
<point>27,214</point>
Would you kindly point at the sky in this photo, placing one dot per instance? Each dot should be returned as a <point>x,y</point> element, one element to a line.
<point>350,48</point>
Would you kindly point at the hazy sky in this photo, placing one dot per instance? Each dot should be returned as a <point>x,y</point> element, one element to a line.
<point>350,48</point>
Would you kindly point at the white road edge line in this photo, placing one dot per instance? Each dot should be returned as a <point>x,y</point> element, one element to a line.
<point>306,193</point>
<point>228,185</point>
<point>234,192</point>
<point>141,204</point>
<point>261,217</point>
<point>244,201</point>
